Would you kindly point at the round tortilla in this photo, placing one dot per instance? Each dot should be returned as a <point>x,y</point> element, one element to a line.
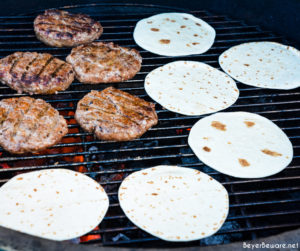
<point>241,144</point>
<point>174,34</point>
<point>191,88</point>
<point>174,203</point>
<point>56,204</point>
<point>263,64</point>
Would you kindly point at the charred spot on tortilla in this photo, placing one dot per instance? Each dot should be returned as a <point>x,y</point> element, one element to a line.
<point>206,149</point>
<point>249,123</point>
<point>154,29</point>
<point>271,153</point>
<point>244,163</point>
<point>165,41</point>
<point>218,125</point>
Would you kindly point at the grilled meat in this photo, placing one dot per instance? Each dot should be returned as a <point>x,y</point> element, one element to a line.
<point>61,28</point>
<point>104,63</point>
<point>115,115</point>
<point>35,73</point>
<point>29,125</point>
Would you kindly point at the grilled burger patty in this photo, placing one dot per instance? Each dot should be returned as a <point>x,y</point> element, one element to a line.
<point>104,63</point>
<point>35,73</point>
<point>115,115</point>
<point>29,125</point>
<point>61,28</point>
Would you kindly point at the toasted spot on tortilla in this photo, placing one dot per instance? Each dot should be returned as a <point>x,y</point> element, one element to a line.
<point>244,162</point>
<point>149,22</point>
<point>198,24</point>
<point>182,26</point>
<point>164,41</point>
<point>20,178</point>
<point>195,43</point>
<point>154,194</point>
<point>154,29</point>
<point>247,65</point>
<point>218,125</point>
<point>206,149</point>
<point>271,153</point>
<point>249,123</point>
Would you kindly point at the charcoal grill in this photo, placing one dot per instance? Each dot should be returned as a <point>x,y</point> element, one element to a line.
<point>258,207</point>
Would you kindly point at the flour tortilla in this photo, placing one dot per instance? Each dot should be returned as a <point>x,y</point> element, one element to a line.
<point>56,204</point>
<point>174,34</point>
<point>191,88</point>
<point>263,64</point>
<point>241,144</point>
<point>174,203</point>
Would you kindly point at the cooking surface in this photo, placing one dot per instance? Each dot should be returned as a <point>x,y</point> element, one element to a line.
<point>258,207</point>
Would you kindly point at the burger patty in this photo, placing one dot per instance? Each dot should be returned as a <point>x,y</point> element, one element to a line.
<point>104,63</point>
<point>35,73</point>
<point>115,115</point>
<point>29,125</point>
<point>61,28</point>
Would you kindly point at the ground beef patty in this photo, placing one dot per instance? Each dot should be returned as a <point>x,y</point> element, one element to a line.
<point>29,125</point>
<point>35,73</point>
<point>61,28</point>
<point>104,63</point>
<point>115,115</point>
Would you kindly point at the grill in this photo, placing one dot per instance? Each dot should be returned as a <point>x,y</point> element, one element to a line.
<point>258,207</point>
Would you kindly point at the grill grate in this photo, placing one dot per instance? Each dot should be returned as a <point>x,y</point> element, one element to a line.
<point>258,207</point>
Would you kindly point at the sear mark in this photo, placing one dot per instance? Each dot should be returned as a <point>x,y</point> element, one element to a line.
<point>218,125</point>
<point>206,149</point>
<point>244,163</point>
<point>249,123</point>
<point>164,41</point>
<point>154,29</point>
<point>271,153</point>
